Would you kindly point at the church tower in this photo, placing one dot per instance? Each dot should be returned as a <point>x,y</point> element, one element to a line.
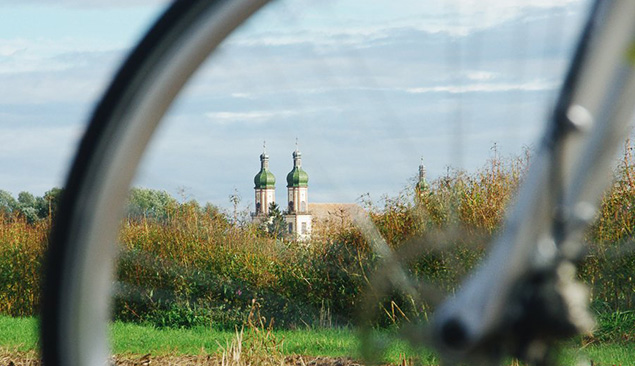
<point>298,217</point>
<point>421,188</point>
<point>264,186</point>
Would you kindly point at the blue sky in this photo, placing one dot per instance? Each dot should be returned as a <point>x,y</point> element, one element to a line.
<point>367,88</point>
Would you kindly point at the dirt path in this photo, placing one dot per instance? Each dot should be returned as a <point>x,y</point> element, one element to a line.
<point>31,359</point>
<point>218,361</point>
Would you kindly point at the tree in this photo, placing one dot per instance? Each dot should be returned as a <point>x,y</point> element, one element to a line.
<point>48,204</point>
<point>30,207</point>
<point>150,203</point>
<point>213,211</point>
<point>276,225</point>
<point>8,204</point>
<point>27,205</point>
<point>235,200</point>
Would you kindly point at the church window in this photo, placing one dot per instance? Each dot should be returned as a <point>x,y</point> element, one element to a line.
<point>304,228</point>
<point>290,228</point>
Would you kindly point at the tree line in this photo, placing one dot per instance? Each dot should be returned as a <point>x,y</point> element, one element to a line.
<point>142,203</point>
<point>32,208</point>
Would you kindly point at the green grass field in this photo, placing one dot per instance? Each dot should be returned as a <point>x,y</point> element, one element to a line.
<point>20,334</point>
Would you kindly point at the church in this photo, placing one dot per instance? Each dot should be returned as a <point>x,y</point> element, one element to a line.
<point>297,216</point>
<point>301,222</point>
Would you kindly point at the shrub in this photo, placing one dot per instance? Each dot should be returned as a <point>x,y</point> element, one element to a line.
<point>182,264</point>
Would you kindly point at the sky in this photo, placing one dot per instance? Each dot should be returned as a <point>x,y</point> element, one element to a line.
<point>367,88</point>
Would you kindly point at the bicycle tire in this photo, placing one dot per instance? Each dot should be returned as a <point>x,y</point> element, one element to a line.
<point>79,263</point>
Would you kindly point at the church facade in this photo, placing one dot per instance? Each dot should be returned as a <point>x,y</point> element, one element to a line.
<point>297,215</point>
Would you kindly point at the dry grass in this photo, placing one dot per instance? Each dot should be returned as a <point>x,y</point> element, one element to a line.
<point>24,359</point>
<point>233,355</point>
<point>10,357</point>
<point>22,247</point>
<point>207,360</point>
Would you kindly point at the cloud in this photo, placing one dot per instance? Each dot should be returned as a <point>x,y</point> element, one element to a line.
<point>480,75</point>
<point>88,3</point>
<point>10,48</point>
<point>534,85</point>
<point>334,92</point>
<point>248,117</point>
<point>29,59</point>
<point>461,18</point>
<point>36,158</point>
<point>360,22</point>
<point>241,95</point>
<point>52,87</point>
<point>19,140</point>
<point>72,77</point>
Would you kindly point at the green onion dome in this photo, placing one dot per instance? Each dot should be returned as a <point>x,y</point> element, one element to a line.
<point>264,178</point>
<point>297,177</point>
<point>422,185</point>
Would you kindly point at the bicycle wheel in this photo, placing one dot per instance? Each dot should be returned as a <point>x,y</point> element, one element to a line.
<point>79,269</point>
<point>76,292</point>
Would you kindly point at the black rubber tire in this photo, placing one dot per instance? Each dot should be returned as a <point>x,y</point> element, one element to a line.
<point>108,123</point>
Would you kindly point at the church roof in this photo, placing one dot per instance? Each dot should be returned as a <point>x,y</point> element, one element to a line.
<point>297,177</point>
<point>335,212</point>
<point>264,179</point>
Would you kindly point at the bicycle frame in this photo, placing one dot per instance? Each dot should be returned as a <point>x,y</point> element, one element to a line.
<point>543,231</point>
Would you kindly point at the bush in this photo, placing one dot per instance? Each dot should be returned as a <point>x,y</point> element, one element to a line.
<point>182,264</point>
<point>21,252</point>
